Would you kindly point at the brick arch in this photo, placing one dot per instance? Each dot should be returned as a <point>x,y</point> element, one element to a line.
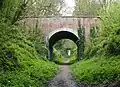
<point>63,33</point>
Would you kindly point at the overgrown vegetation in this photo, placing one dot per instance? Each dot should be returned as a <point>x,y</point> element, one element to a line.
<point>65,51</point>
<point>23,53</point>
<point>21,60</point>
<point>20,63</point>
<point>81,42</point>
<point>102,53</point>
<point>97,70</point>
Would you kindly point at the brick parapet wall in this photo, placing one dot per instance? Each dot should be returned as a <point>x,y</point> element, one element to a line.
<point>48,25</point>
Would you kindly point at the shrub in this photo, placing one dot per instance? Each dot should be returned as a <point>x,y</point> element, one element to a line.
<point>97,70</point>
<point>35,73</point>
<point>20,64</point>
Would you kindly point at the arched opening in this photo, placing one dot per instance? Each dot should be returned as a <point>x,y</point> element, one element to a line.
<point>65,52</point>
<point>56,36</point>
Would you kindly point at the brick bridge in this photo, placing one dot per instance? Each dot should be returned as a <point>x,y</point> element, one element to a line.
<point>65,27</point>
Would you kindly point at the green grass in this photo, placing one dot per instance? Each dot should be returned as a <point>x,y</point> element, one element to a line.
<point>60,60</point>
<point>25,68</point>
<point>97,70</point>
<point>73,59</point>
<point>36,74</point>
<point>20,64</point>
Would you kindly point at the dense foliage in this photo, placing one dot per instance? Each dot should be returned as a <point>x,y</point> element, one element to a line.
<point>106,40</point>
<point>31,74</point>
<point>86,7</point>
<point>35,35</point>
<point>20,63</point>
<point>102,53</point>
<point>21,57</point>
<point>23,53</point>
<point>62,49</point>
<point>91,7</point>
<point>97,70</point>
<point>81,42</point>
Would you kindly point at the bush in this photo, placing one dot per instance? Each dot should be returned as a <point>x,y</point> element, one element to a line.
<point>110,25</point>
<point>35,36</point>
<point>35,73</point>
<point>106,39</point>
<point>73,59</point>
<point>20,64</point>
<point>97,70</point>
<point>102,55</point>
<point>59,60</point>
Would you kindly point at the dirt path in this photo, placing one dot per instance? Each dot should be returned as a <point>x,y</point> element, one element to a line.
<point>63,78</point>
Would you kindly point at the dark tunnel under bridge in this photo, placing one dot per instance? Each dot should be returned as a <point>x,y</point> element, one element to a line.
<point>63,33</point>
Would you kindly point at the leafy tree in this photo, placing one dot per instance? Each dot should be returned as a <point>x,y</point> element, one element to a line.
<point>14,10</point>
<point>109,35</point>
<point>86,7</point>
<point>36,8</point>
<point>106,39</point>
<point>91,7</point>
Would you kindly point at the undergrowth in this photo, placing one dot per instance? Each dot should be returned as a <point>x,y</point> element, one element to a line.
<point>20,63</point>
<point>101,64</point>
<point>35,73</point>
<point>101,70</point>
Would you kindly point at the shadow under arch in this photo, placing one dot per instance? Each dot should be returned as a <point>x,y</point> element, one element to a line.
<point>64,33</point>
